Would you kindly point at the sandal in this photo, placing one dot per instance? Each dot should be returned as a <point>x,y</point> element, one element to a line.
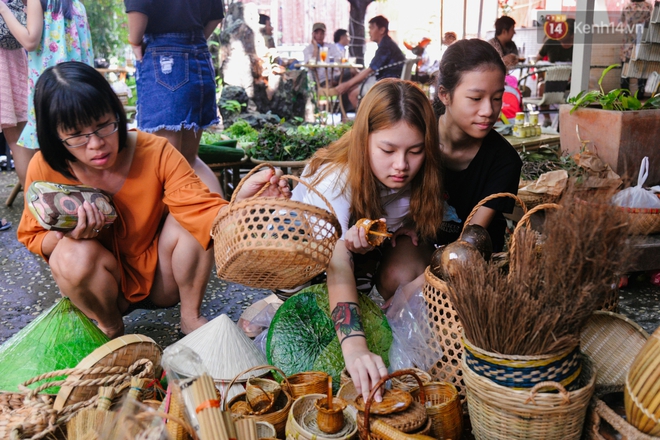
<point>4,224</point>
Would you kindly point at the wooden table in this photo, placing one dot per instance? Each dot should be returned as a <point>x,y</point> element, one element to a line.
<point>533,142</point>
<point>325,87</point>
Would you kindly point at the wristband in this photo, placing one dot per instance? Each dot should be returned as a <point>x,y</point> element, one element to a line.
<point>353,336</point>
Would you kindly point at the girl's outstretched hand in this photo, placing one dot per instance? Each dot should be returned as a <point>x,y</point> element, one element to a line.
<point>365,368</point>
<point>278,187</point>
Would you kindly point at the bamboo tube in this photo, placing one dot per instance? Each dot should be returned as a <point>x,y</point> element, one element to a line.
<point>329,405</point>
<point>207,407</point>
<point>230,425</point>
<point>386,431</point>
<point>247,429</point>
<point>380,234</point>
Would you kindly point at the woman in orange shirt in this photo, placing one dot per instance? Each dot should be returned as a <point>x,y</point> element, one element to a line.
<point>159,245</point>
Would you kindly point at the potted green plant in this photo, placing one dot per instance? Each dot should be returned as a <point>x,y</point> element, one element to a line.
<point>621,129</point>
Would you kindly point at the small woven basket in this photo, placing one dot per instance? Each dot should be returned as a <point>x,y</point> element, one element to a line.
<point>277,413</point>
<point>308,382</point>
<point>443,407</point>
<point>408,383</point>
<point>292,241</point>
<point>502,413</point>
<point>642,388</point>
<point>262,393</point>
<point>301,424</point>
<point>409,420</point>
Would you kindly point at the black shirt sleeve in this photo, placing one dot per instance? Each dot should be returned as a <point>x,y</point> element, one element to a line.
<point>175,15</point>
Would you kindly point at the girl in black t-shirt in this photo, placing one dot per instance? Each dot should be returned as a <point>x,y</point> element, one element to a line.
<point>478,161</point>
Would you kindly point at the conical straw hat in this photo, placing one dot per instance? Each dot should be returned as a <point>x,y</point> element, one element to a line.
<point>224,349</point>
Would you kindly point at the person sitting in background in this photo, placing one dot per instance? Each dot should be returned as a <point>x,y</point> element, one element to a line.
<point>267,31</point>
<point>559,50</point>
<point>505,29</point>
<point>388,52</point>
<point>313,50</point>
<point>342,40</point>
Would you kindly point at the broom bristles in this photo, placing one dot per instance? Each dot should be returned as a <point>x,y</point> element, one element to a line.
<point>541,307</point>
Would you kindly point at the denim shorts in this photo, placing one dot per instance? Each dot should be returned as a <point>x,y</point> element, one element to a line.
<point>176,83</point>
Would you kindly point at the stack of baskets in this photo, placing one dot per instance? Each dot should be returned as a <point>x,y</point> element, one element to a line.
<point>612,341</point>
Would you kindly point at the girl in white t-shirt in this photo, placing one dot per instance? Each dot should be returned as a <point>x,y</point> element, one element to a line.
<point>387,166</point>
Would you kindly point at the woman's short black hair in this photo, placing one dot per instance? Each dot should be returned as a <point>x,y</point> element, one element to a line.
<point>68,96</point>
<point>460,57</point>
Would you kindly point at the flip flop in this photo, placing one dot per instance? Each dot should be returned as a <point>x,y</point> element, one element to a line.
<point>4,224</point>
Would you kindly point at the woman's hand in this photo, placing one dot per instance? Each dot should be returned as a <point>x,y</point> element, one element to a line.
<point>90,223</point>
<point>278,187</point>
<point>405,230</point>
<point>356,240</point>
<point>365,367</point>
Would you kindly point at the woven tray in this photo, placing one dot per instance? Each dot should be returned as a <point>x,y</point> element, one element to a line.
<point>120,352</point>
<point>612,341</point>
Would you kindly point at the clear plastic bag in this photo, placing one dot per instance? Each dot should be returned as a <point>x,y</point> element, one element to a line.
<point>637,196</point>
<point>408,318</point>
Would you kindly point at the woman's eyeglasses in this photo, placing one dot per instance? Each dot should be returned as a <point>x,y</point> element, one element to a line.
<point>82,139</point>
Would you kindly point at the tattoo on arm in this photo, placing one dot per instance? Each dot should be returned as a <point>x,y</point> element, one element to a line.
<point>346,317</point>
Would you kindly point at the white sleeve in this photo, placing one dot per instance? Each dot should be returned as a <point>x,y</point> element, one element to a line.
<point>331,191</point>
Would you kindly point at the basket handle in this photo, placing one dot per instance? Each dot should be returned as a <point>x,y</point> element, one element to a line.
<point>488,199</point>
<point>223,406</point>
<point>267,184</point>
<point>523,222</point>
<point>268,396</point>
<point>381,382</point>
<point>556,385</point>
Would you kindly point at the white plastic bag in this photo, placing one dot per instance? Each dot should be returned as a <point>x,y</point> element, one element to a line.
<point>408,318</point>
<point>637,196</point>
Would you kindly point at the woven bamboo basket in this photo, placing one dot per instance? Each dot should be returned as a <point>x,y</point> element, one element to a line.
<point>307,382</point>
<point>301,423</point>
<point>265,430</point>
<point>408,383</point>
<point>445,327</point>
<point>612,341</point>
<point>642,221</point>
<point>36,415</point>
<point>292,241</point>
<point>412,421</point>
<point>443,407</point>
<point>642,388</point>
<point>520,372</point>
<point>262,393</point>
<point>498,412</point>
<point>277,414</point>
<point>604,423</point>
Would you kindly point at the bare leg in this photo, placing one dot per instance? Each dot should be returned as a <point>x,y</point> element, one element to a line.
<point>401,265</point>
<point>353,96</point>
<point>88,274</point>
<point>183,272</point>
<point>20,154</point>
<point>187,142</point>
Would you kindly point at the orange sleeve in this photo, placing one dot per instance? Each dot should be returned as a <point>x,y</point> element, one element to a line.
<point>188,199</point>
<point>30,232</point>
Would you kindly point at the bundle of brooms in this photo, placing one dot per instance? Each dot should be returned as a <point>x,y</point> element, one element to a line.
<point>553,286</point>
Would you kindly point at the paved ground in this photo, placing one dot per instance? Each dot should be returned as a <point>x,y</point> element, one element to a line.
<point>27,288</point>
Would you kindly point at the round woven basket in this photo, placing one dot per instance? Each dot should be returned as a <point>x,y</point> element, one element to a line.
<point>445,327</point>
<point>276,414</point>
<point>502,413</point>
<point>292,241</point>
<point>308,382</point>
<point>612,341</point>
<point>642,388</point>
<point>641,221</point>
<point>261,393</point>
<point>301,423</point>
<point>520,372</point>
<point>265,430</point>
<point>410,420</point>
<point>443,407</point>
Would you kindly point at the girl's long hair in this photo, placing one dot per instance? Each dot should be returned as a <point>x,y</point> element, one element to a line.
<point>388,102</point>
<point>64,7</point>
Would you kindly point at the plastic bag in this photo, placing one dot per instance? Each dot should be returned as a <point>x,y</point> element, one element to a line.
<point>256,318</point>
<point>408,318</point>
<point>637,196</point>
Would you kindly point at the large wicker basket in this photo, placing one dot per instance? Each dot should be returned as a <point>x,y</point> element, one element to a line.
<point>502,413</point>
<point>273,242</point>
<point>443,321</point>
